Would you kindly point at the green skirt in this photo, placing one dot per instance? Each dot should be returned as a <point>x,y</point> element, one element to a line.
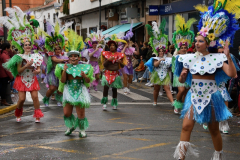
<point>156,80</point>
<point>75,93</point>
<point>116,84</point>
<point>176,83</point>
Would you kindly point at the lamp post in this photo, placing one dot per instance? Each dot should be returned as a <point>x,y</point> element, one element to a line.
<point>100,14</point>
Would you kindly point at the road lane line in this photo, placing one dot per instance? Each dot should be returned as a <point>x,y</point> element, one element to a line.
<point>141,148</point>
<point>134,96</point>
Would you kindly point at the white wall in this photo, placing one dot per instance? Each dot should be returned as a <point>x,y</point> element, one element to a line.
<point>39,15</point>
<point>92,20</point>
<point>152,2</point>
<point>84,5</point>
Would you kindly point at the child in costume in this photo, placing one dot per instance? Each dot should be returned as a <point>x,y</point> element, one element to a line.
<point>54,44</point>
<point>76,78</point>
<point>24,66</point>
<point>112,61</point>
<point>159,66</point>
<point>204,72</point>
<point>96,42</point>
<point>129,52</point>
<point>182,40</point>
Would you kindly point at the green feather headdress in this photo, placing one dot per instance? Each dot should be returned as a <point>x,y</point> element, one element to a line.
<point>75,43</point>
<point>183,34</point>
<point>20,31</point>
<point>157,40</point>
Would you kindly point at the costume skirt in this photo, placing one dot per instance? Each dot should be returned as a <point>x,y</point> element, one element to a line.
<point>20,86</point>
<point>176,83</point>
<point>216,110</point>
<point>51,79</point>
<point>75,93</point>
<point>95,66</point>
<point>116,84</point>
<point>156,80</point>
<point>128,71</point>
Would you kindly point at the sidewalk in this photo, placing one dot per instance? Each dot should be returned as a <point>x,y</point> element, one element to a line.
<point>5,109</point>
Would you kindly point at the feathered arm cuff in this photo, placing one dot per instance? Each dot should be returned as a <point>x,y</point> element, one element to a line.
<point>11,65</point>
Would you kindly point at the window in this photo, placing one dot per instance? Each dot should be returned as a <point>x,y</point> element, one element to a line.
<point>165,1</point>
<point>48,15</point>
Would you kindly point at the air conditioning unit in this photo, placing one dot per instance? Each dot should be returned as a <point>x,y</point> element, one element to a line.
<point>111,12</point>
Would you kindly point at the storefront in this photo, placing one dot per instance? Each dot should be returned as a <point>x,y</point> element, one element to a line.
<point>168,11</point>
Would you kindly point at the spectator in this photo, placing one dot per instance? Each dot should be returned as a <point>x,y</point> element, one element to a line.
<point>149,53</point>
<point>139,71</point>
<point>144,50</point>
<point>141,44</point>
<point>171,50</point>
<point>5,76</point>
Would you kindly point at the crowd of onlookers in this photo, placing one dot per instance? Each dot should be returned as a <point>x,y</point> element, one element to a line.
<point>6,78</point>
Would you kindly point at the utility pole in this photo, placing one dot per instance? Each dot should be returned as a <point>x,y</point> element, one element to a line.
<point>10,3</point>
<point>4,14</point>
<point>100,14</point>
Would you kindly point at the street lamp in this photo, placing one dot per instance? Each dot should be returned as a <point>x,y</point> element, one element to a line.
<point>100,14</point>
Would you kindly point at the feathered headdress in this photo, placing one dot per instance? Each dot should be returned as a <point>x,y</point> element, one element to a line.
<point>219,21</point>
<point>183,34</point>
<point>128,35</point>
<point>96,38</point>
<point>20,31</point>
<point>54,37</point>
<point>158,40</point>
<point>75,43</point>
<point>40,42</point>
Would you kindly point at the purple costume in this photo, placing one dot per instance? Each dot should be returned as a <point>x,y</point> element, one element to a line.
<point>51,78</point>
<point>128,69</point>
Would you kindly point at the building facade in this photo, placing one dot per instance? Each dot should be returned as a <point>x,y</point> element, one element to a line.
<point>85,14</point>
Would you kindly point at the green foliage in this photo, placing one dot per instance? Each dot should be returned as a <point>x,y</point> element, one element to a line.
<point>65,7</point>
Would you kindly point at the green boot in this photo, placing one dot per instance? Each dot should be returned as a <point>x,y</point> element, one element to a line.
<point>83,125</point>
<point>58,98</point>
<point>177,106</point>
<point>70,123</point>
<point>46,101</point>
<point>114,103</point>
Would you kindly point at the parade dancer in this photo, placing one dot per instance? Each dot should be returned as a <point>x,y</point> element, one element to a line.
<point>24,66</point>
<point>54,43</point>
<point>204,71</point>
<point>159,66</point>
<point>129,52</point>
<point>40,42</point>
<point>182,40</point>
<point>112,61</point>
<point>223,126</point>
<point>97,43</point>
<point>76,78</point>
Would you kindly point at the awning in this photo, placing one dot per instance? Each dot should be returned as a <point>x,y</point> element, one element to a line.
<point>111,29</point>
<point>120,28</point>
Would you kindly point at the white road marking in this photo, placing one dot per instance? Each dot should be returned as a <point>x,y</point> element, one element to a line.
<point>134,96</point>
<point>29,98</point>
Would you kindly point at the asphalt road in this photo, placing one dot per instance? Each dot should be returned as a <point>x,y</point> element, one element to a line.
<point>136,131</point>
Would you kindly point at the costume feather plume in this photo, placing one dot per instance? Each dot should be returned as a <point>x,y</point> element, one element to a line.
<point>232,6</point>
<point>180,21</point>
<point>65,27</point>
<point>162,26</point>
<point>6,22</point>
<point>190,22</point>
<point>149,30</point>
<point>155,29</point>
<point>201,8</point>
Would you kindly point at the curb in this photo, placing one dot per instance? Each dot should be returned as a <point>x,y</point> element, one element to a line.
<point>8,109</point>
